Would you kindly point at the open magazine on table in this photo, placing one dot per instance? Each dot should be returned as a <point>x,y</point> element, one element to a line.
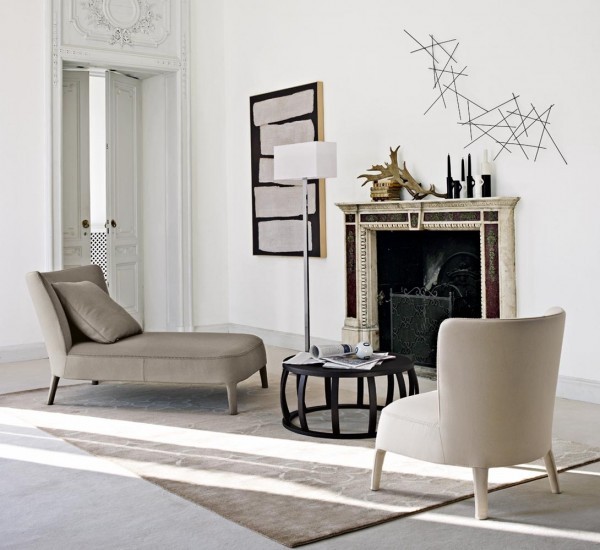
<point>340,356</point>
<point>351,361</point>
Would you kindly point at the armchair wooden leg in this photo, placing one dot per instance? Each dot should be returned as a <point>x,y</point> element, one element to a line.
<point>552,473</point>
<point>263,377</point>
<point>377,467</point>
<point>480,481</point>
<point>52,391</point>
<point>232,398</point>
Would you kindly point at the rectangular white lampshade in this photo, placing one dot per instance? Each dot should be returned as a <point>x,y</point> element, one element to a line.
<point>310,160</point>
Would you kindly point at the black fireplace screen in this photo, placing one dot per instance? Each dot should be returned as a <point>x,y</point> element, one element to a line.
<point>415,320</point>
<point>444,270</point>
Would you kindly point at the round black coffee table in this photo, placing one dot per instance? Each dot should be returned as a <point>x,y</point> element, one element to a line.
<point>392,368</point>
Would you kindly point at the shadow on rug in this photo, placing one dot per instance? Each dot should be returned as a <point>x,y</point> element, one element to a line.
<point>248,468</point>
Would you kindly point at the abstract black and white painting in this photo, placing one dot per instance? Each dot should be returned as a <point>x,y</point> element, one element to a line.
<point>293,115</point>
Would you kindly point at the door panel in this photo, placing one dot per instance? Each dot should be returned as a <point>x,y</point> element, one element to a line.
<point>126,282</point>
<point>75,170</point>
<point>123,200</point>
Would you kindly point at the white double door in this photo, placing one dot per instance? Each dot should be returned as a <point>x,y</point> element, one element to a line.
<point>123,183</point>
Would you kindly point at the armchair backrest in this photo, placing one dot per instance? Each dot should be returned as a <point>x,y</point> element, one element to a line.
<point>51,315</point>
<point>496,388</point>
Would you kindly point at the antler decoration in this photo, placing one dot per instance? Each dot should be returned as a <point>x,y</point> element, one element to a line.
<point>393,173</point>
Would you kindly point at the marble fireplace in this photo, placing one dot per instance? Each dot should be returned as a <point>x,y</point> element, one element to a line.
<point>491,219</point>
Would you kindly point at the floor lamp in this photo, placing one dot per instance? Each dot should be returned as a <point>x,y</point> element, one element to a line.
<point>305,161</point>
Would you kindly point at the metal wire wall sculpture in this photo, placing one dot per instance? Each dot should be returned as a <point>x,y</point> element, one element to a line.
<point>507,123</point>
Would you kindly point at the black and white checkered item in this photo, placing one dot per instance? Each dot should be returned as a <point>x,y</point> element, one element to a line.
<point>99,252</point>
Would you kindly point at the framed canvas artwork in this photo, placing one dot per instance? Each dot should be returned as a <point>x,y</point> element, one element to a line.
<point>293,115</point>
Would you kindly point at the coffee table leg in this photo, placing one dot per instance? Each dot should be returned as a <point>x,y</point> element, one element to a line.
<point>372,405</point>
<point>282,398</point>
<point>298,387</point>
<point>360,390</point>
<point>390,389</point>
<point>413,382</point>
<point>328,391</point>
<point>335,413</point>
<point>401,385</point>
<point>302,379</point>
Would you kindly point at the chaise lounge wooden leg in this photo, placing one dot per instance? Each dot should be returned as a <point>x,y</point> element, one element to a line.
<point>263,377</point>
<point>377,467</point>
<point>52,392</point>
<point>480,480</point>
<point>232,398</point>
<point>552,473</point>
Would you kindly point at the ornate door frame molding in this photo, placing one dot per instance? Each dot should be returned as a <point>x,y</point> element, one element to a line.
<point>167,54</point>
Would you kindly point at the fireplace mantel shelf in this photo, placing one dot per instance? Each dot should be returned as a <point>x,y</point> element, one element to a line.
<point>491,203</point>
<point>493,217</point>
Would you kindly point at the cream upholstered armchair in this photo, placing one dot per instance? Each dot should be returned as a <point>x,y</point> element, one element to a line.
<point>494,403</point>
<point>90,337</point>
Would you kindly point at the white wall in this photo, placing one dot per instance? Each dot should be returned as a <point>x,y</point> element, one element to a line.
<point>375,95</point>
<point>155,176</point>
<point>23,241</point>
<point>213,165</point>
<point>160,170</point>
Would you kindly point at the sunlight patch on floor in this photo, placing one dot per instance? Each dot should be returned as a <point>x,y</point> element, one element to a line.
<point>287,449</point>
<point>584,473</point>
<point>510,527</point>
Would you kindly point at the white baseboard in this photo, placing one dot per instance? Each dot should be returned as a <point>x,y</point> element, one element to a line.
<point>225,327</point>
<point>24,352</point>
<point>276,338</point>
<point>578,389</point>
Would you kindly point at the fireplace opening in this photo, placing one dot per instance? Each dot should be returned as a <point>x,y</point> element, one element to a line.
<point>424,277</point>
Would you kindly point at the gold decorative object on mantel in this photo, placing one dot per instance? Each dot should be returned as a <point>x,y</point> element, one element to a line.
<point>390,180</point>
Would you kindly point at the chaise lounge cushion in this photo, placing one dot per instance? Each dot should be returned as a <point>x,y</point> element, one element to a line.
<point>94,312</point>
<point>179,357</point>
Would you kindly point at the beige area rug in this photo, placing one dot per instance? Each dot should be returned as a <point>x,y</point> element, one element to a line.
<point>249,469</point>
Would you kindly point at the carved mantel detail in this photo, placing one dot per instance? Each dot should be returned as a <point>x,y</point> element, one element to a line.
<point>492,217</point>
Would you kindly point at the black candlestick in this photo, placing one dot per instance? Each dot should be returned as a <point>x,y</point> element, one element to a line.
<point>449,181</point>
<point>486,176</point>
<point>457,188</point>
<point>486,188</point>
<point>470,179</point>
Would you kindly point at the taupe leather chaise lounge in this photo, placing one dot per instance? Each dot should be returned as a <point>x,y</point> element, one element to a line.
<point>166,357</point>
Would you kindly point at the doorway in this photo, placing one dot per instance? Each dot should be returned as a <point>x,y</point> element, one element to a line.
<point>164,214</point>
<point>101,184</point>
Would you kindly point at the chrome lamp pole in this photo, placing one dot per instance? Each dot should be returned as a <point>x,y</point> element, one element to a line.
<point>305,161</point>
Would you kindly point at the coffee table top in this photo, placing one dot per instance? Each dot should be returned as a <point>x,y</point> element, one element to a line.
<point>397,365</point>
